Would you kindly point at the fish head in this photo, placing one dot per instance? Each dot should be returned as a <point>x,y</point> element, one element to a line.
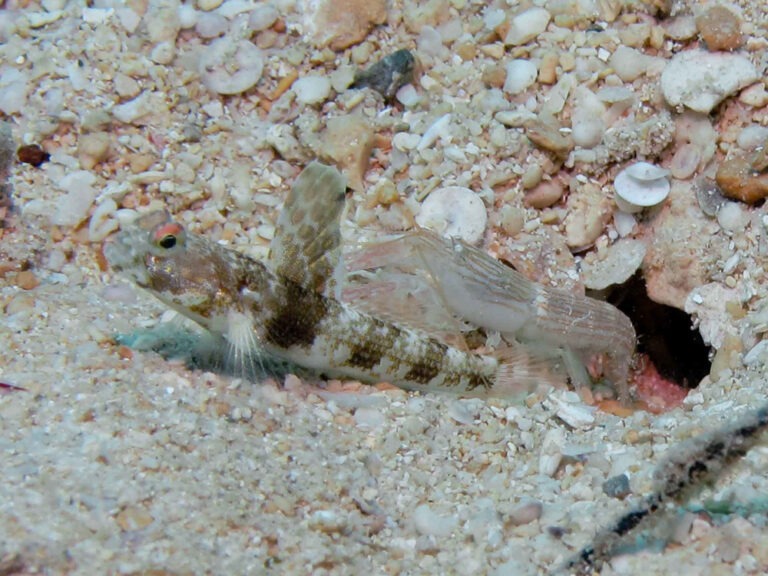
<point>187,272</point>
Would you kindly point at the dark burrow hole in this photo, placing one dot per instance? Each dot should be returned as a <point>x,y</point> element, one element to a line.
<point>664,334</point>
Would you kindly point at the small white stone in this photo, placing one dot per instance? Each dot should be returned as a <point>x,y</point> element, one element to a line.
<point>102,224</point>
<point>758,354</point>
<point>72,207</point>
<point>731,217</point>
<point>262,17</point>
<point>521,74</point>
<point>430,42</point>
<point>755,96</point>
<point>408,96</point>
<point>14,88</point>
<point>587,118</point>
<point>629,63</point>
<point>97,15</point>
<point>752,137</point>
<point>125,86</point>
<point>312,89</point>
<point>128,19</point>
<point>701,80</point>
<point>133,110</point>
<point>208,5</point>
<point>163,53</point>
<point>429,523</point>
<point>405,141</point>
<point>619,263</point>
<point>40,19</point>
<point>187,16</point>
<point>454,211</point>
<point>211,25</point>
<point>526,26</point>
<point>369,418</point>
<point>576,415</point>
<point>230,66</point>
<point>624,223</point>
<point>438,129</point>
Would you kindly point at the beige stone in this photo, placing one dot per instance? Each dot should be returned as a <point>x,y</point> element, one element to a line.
<point>339,24</point>
<point>347,142</point>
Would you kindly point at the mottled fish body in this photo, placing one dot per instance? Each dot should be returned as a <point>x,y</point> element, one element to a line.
<point>289,305</point>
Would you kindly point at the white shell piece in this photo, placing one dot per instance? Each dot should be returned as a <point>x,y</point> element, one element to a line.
<point>646,171</point>
<point>634,193</point>
<point>454,211</point>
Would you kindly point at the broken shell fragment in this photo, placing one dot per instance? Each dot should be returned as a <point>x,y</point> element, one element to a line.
<point>641,185</point>
<point>454,211</point>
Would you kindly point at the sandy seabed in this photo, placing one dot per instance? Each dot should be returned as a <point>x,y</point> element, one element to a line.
<point>117,461</point>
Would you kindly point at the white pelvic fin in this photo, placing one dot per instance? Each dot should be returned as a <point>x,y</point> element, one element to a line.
<point>306,246</point>
<point>245,354</point>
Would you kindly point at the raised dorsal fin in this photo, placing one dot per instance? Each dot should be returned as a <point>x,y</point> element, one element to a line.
<point>306,247</point>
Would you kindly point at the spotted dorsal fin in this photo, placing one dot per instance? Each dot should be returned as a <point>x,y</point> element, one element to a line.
<point>306,247</point>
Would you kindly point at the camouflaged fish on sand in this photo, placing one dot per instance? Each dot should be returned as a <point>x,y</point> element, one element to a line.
<point>291,306</point>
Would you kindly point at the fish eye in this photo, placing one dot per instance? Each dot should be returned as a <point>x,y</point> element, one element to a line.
<point>168,236</point>
<point>167,241</point>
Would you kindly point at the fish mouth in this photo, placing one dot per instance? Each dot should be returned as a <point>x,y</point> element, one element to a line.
<point>124,258</point>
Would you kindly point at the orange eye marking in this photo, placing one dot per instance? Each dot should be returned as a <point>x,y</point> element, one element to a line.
<point>170,229</point>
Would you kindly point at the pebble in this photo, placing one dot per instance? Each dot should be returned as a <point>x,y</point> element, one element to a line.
<point>208,5</point>
<point>744,177</point>
<point>700,80</point>
<point>230,66</point>
<point>454,211</point>
<point>589,210</point>
<point>26,280</point>
<point>525,513</point>
<point>755,96</point>
<point>439,128</point>
<point>339,24</point>
<point>388,75</point>
<point>719,28</point>
<point>752,137</point>
<point>429,523</point>
<point>33,155</point>
<point>587,118</point>
<point>211,25</point>
<point>102,224</point>
<point>521,74</point>
<point>263,16</point>
<point>526,26</point>
<point>348,141</point>
<point>14,88</point>
<point>545,194</point>
<point>369,418</point>
<point>709,196</point>
<point>125,86</point>
<point>132,111</point>
<point>617,486</point>
<point>629,63</point>
<point>72,207</point>
<point>92,148</point>
<point>162,20</point>
<point>312,89</point>
<point>548,136</point>
<point>615,265</point>
<point>731,217</point>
